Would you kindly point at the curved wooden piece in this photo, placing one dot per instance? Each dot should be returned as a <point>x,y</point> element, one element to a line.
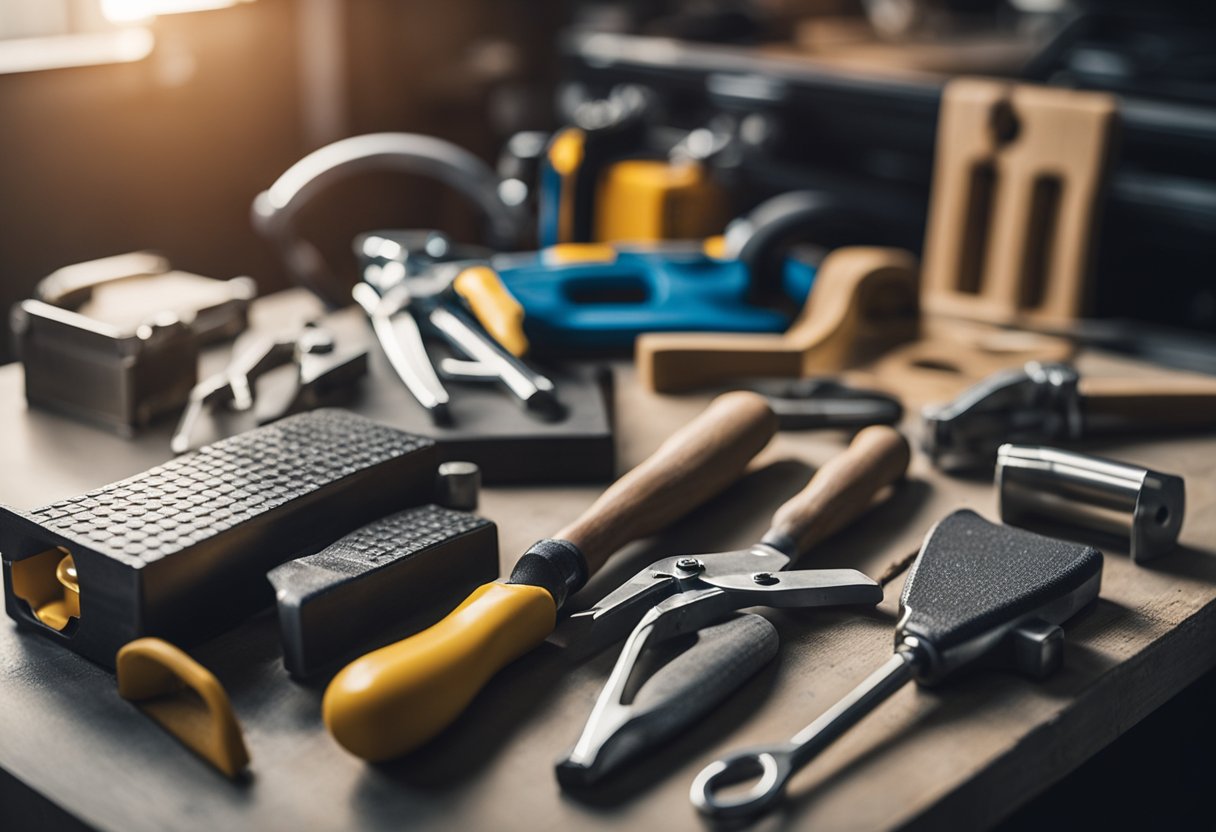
<point>863,301</point>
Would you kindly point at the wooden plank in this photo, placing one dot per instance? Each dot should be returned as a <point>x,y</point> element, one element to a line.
<point>964,756</point>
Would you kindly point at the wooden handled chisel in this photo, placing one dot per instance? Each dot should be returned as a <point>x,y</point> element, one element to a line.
<point>396,698</point>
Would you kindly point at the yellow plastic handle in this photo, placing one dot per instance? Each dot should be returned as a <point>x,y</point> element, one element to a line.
<point>497,309</point>
<point>394,699</point>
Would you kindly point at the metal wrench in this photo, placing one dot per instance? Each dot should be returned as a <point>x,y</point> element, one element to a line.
<point>974,588</point>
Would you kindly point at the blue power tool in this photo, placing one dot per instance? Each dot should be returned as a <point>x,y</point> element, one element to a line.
<point>594,296</point>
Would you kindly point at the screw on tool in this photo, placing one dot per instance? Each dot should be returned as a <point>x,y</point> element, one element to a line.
<point>628,719</point>
<point>975,587</point>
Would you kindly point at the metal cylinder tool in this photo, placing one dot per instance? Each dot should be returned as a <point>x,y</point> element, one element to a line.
<point>1054,403</point>
<point>1048,485</point>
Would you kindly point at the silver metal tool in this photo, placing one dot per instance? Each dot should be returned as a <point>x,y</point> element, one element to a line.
<point>458,485</point>
<point>1053,403</point>
<point>1040,485</point>
<point>116,341</point>
<point>839,492</point>
<point>680,595</point>
<point>975,590</point>
<point>275,210</point>
<point>324,376</point>
<point>620,726</point>
<point>1037,403</point>
<point>407,295</point>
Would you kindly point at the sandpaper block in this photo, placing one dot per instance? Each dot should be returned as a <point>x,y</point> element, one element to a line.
<point>181,551</point>
<point>393,573</point>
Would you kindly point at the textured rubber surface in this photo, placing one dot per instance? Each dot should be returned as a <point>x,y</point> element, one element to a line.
<point>181,551</point>
<point>972,576</point>
<point>392,573</point>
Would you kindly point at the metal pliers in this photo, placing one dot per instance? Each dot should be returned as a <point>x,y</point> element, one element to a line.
<point>681,595</point>
<point>411,289</point>
<point>325,375</point>
<point>706,590</point>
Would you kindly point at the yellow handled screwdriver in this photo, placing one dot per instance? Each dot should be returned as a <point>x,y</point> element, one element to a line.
<point>394,699</point>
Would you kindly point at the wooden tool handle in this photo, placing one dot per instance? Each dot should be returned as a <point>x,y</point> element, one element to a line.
<point>694,464</point>
<point>841,490</point>
<point>1144,404</point>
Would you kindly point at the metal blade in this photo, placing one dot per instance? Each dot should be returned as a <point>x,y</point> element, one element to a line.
<point>620,611</point>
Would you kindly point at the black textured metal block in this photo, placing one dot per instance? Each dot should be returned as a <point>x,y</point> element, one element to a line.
<point>181,551</point>
<point>403,573</point>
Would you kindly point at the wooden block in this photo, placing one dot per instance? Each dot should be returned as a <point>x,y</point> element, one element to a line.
<point>1014,208</point>
<point>863,301</point>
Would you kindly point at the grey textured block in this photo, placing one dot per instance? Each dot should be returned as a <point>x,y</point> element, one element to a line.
<point>393,573</point>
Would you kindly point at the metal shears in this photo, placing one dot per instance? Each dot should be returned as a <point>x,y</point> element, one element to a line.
<point>412,289</point>
<point>679,596</point>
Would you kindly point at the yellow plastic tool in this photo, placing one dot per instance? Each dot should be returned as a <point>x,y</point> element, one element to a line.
<point>48,583</point>
<point>496,308</point>
<point>391,701</point>
<point>438,672</point>
<point>566,153</point>
<point>639,200</point>
<point>185,698</point>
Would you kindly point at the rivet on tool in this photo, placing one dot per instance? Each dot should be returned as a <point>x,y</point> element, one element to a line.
<point>458,485</point>
<point>765,578</point>
<point>690,564</point>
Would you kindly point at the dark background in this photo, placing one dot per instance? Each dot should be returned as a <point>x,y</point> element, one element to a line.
<point>106,159</point>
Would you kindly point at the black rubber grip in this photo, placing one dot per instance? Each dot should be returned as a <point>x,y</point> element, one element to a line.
<point>721,659</point>
<point>181,551</point>
<point>972,576</point>
<point>557,566</point>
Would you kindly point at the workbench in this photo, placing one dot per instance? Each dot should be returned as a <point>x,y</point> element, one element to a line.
<point>961,757</point>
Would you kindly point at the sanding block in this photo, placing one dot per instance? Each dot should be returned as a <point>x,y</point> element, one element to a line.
<point>181,551</point>
<point>393,573</point>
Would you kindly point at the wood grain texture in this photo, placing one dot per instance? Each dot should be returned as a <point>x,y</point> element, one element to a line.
<point>959,757</point>
<point>1013,213</point>
<point>1159,403</point>
<point>695,463</point>
<point>844,488</point>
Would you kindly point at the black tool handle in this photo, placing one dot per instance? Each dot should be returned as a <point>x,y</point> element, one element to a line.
<point>840,491</point>
<point>724,656</point>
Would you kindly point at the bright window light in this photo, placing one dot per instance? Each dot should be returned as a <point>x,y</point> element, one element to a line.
<point>125,11</point>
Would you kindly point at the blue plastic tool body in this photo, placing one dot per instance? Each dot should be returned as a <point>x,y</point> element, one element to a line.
<point>606,304</point>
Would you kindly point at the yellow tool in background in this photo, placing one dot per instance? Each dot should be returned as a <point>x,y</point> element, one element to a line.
<point>396,698</point>
<point>592,191</point>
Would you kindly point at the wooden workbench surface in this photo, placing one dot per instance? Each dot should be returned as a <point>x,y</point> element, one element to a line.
<point>960,757</point>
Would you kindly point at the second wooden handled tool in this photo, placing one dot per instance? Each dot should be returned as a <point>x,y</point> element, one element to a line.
<point>681,595</point>
<point>396,698</point>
